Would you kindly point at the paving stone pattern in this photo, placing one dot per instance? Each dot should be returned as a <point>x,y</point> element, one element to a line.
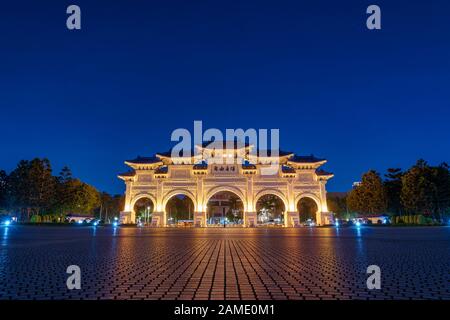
<point>224,264</point>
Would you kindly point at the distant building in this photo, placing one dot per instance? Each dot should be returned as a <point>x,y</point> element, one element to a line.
<point>356,184</point>
<point>378,218</point>
<point>73,217</point>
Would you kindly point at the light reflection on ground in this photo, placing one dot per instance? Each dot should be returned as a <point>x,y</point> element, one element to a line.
<point>217,263</point>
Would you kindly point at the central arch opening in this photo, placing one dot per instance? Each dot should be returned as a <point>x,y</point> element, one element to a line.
<point>225,208</point>
<point>180,211</point>
<point>143,209</point>
<point>270,210</point>
<point>307,209</point>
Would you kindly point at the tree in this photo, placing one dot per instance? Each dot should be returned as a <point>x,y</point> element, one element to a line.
<point>307,208</point>
<point>74,196</point>
<point>369,197</point>
<point>235,209</point>
<point>272,203</point>
<point>180,207</point>
<point>418,189</point>
<point>441,179</point>
<point>3,190</point>
<point>338,205</point>
<point>393,187</point>
<point>64,196</point>
<point>32,187</point>
<point>110,206</point>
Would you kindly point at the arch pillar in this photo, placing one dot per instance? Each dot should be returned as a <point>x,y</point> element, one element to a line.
<point>200,219</point>
<point>291,219</point>
<point>126,216</point>
<point>158,219</point>
<point>319,217</point>
<point>317,200</point>
<point>250,219</point>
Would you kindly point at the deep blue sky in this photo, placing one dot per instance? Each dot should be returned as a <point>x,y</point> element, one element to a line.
<point>137,70</point>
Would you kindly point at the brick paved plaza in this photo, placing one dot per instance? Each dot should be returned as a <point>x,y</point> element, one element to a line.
<point>132,263</point>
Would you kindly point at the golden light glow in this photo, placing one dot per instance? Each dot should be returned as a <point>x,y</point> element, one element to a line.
<point>200,181</point>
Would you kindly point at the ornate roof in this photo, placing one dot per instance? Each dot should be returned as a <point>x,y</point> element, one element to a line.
<point>128,174</point>
<point>214,144</point>
<point>168,154</point>
<point>248,166</point>
<point>143,160</point>
<point>162,170</point>
<point>306,159</point>
<point>321,172</point>
<point>200,166</point>
<point>288,159</point>
<point>287,169</point>
<point>267,153</point>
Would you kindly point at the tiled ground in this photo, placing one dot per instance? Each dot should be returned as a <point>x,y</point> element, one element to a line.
<point>304,263</point>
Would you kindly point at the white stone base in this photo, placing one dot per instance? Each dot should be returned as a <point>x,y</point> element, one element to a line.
<point>125,217</point>
<point>200,219</point>
<point>292,219</point>
<point>327,218</point>
<point>158,219</point>
<point>250,219</point>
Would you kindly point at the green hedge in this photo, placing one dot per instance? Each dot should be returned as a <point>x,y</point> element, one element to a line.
<point>412,219</point>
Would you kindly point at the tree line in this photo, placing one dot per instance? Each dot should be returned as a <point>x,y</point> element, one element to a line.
<point>421,190</point>
<point>32,193</point>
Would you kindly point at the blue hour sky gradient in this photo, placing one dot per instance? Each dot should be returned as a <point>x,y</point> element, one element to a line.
<point>137,70</point>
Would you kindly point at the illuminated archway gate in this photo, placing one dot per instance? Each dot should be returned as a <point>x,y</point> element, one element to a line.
<point>162,176</point>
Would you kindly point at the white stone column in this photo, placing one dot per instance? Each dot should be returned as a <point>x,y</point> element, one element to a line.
<point>158,219</point>
<point>319,217</point>
<point>249,205</point>
<point>200,206</point>
<point>323,197</point>
<point>128,215</point>
<point>250,219</point>
<point>323,210</point>
<point>291,219</point>
<point>200,219</point>
<point>160,211</point>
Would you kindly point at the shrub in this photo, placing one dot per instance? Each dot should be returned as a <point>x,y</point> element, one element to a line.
<point>35,218</point>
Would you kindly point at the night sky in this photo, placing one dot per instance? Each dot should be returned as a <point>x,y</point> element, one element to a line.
<point>138,70</point>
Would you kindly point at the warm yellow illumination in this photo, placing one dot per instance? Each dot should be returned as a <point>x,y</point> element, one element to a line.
<point>223,172</point>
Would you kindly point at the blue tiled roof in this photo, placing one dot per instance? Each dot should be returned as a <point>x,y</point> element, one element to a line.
<point>267,153</point>
<point>305,159</point>
<point>201,166</point>
<point>248,166</point>
<point>168,154</point>
<point>323,173</point>
<point>287,169</point>
<point>128,174</point>
<point>162,170</point>
<point>144,160</point>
